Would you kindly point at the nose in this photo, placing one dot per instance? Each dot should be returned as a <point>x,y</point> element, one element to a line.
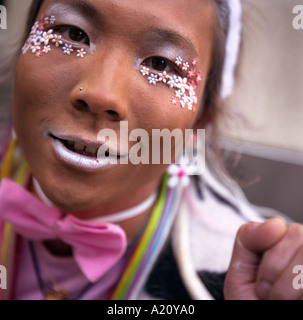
<point>102,88</point>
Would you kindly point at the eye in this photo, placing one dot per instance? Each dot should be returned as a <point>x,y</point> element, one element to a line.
<point>159,64</point>
<point>73,34</point>
<point>77,35</point>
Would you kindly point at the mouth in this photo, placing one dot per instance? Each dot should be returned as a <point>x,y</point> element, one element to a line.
<point>81,148</point>
<point>83,155</point>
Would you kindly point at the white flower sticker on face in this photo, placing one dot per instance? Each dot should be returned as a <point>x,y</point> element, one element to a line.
<point>40,40</point>
<point>185,87</point>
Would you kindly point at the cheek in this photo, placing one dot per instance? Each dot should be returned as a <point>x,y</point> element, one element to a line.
<point>163,121</point>
<point>38,89</point>
<point>155,110</point>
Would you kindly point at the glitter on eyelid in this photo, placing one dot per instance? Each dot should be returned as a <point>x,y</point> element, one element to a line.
<point>185,89</point>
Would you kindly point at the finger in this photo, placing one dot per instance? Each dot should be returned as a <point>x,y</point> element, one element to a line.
<point>276,260</point>
<point>289,285</point>
<point>252,239</point>
<point>262,236</point>
<point>240,279</point>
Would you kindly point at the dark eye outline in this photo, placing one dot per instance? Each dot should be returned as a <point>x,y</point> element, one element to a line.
<point>64,31</point>
<point>170,68</point>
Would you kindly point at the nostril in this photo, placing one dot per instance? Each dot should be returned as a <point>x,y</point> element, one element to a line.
<point>112,113</point>
<point>81,105</point>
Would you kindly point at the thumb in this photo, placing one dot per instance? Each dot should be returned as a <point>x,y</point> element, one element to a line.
<point>252,241</point>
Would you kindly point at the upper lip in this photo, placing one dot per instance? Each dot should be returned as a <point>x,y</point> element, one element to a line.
<point>91,145</point>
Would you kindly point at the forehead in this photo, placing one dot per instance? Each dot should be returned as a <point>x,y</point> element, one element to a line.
<point>189,22</point>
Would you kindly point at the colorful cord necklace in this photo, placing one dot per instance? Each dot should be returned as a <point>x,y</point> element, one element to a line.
<point>147,249</point>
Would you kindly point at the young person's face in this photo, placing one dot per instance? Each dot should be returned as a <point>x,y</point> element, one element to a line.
<point>120,38</point>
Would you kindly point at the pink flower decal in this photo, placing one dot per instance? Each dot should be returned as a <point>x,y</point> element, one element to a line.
<point>191,73</point>
<point>174,101</point>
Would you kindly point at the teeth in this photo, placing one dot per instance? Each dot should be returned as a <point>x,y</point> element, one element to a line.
<point>82,148</point>
<point>79,146</point>
<point>91,150</point>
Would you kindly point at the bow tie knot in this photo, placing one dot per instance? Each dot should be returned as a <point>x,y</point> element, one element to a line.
<point>96,247</point>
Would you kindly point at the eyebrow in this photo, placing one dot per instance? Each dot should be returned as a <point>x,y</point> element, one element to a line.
<point>157,35</point>
<point>171,37</point>
<point>81,6</point>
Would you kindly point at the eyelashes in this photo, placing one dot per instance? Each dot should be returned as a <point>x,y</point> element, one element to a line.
<point>72,34</point>
<point>161,64</point>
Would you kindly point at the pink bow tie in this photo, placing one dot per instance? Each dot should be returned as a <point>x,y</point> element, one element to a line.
<point>96,248</point>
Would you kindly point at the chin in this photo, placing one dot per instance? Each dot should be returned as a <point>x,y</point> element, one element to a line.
<point>72,202</point>
<point>73,205</point>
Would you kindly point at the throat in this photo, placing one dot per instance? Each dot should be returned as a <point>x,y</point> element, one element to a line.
<point>58,248</point>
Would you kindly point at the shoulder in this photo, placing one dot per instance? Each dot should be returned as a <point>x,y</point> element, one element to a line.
<point>194,262</point>
<point>166,281</point>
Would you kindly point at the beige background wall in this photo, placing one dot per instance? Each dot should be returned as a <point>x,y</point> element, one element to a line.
<point>269,80</point>
<point>264,117</point>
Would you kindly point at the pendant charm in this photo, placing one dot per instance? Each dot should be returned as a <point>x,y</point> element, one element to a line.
<point>56,294</point>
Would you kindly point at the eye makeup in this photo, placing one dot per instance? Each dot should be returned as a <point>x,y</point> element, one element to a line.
<point>45,36</point>
<point>42,39</point>
<point>184,87</point>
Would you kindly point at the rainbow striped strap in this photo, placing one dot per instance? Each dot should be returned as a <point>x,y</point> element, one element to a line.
<point>149,246</point>
<point>6,167</point>
<point>8,238</point>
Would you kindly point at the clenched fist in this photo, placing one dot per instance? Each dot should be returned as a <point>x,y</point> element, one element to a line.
<point>266,260</point>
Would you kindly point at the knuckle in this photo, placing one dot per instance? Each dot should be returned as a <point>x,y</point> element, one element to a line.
<point>270,267</point>
<point>295,232</point>
<point>269,271</point>
<point>278,295</point>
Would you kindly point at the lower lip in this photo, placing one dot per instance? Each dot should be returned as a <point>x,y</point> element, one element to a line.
<point>77,160</point>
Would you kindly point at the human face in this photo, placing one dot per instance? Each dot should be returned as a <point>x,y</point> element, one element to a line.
<point>119,37</point>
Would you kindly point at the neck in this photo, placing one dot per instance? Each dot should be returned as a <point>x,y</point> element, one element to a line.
<point>132,220</point>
